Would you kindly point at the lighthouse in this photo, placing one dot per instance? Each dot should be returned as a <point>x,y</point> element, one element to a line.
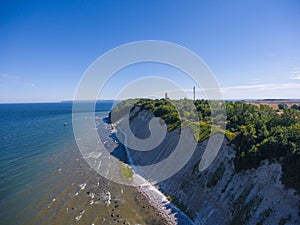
<point>166,96</point>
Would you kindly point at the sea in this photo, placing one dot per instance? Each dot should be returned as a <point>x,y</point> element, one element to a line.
<point>45,180</point>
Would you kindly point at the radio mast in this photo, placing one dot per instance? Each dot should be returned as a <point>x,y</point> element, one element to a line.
<point>194,94</point>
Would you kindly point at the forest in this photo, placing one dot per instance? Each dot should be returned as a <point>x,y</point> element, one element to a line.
<point>257,133</point>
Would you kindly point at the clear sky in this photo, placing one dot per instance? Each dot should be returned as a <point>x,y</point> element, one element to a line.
<point>252,46</point>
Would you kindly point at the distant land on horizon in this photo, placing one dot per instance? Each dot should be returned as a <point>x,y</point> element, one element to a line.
<point>273,100</point>
<point>247,99</point>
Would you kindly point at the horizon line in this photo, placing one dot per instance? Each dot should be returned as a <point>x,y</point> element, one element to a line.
<point>99,100</point>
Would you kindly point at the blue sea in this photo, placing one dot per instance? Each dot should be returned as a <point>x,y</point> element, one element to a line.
<point>35,146</point>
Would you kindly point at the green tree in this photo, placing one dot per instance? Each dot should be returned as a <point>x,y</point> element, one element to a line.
<point>294,106</point>
<point>282,106</point>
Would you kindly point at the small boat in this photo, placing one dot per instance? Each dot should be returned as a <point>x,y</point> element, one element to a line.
<point>65,124</point>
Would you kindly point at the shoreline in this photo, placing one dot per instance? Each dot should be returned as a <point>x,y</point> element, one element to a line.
<point>155,197</point>
<point>85,197</point>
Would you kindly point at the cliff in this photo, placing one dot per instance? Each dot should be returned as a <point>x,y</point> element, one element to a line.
<point>218,195</point>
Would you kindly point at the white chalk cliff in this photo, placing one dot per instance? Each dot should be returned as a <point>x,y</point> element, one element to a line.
<point>219,195</point>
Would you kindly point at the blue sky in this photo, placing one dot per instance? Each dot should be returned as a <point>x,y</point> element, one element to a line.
<point>252,47</point>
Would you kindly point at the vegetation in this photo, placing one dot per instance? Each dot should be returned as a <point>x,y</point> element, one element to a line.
<point>283,106</point>
<point>257,132</point>
<point>121,109</point>
<point>296,107</point>
<point>126,172</point>
<point>262,134</point>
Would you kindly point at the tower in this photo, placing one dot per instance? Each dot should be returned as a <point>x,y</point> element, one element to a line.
<point>194,93</point>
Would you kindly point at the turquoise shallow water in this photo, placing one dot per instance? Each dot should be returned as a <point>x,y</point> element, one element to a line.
<point>33,143</point>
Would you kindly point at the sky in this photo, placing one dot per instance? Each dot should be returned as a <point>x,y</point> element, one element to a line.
<point>252,47</point>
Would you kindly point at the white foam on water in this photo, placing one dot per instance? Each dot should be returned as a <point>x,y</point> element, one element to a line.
<point>80,215</point>
<point>92,195</point>
<point>97,202</point>
<point>82,186</point>
<point>108,200</point>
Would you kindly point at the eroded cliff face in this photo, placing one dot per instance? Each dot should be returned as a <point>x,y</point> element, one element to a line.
<point>219,195</point>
